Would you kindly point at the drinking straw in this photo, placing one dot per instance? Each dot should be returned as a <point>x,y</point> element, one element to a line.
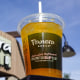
<point>40,11</point>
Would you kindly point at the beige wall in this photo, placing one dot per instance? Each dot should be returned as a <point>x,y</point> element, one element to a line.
<point>12,78</point>
<point>17,67</point>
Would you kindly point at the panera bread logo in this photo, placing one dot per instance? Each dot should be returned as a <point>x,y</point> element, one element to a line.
<point>42,43</point>
<point>5,53</point>
<point>36,42</point>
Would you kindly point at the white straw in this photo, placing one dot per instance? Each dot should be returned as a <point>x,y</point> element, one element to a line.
<point>40,7</point>
<point>40,11</point>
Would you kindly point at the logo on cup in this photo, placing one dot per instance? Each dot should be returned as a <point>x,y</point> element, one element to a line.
<point>42,43</point>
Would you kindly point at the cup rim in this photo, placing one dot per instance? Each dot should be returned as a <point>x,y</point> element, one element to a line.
<point>40,14</point>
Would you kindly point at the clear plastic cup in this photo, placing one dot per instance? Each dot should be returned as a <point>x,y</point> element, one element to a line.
<point>41,36</point>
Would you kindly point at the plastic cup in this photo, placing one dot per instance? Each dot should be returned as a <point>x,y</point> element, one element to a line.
<point>41,36</point>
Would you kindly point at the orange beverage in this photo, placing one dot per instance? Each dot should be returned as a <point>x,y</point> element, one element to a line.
<point>42,48</point>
